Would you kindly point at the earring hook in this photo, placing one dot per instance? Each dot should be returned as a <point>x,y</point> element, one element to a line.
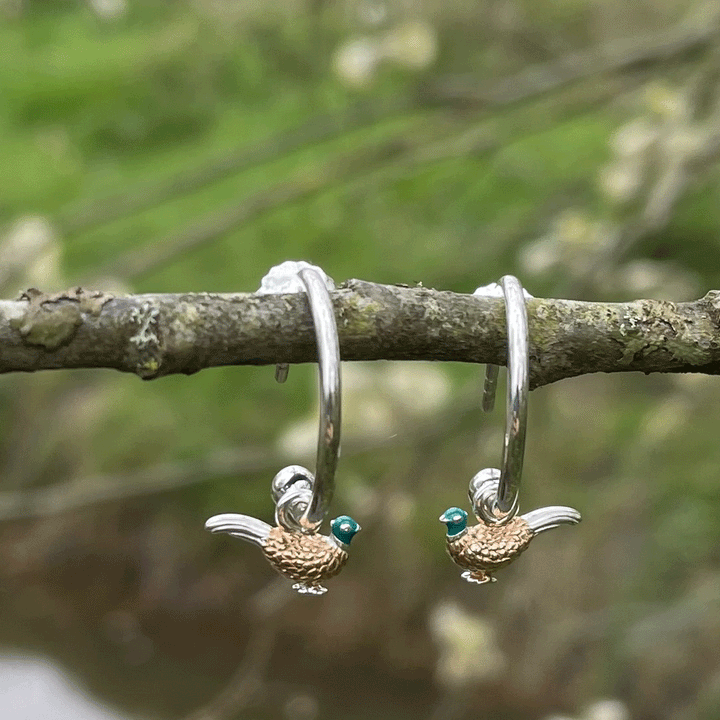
<point>301,498</point>
<point>328,347</point>
<point>505,503</point>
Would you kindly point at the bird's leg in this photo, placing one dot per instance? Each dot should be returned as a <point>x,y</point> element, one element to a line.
<point>478,576</point>
<point>304,589</point>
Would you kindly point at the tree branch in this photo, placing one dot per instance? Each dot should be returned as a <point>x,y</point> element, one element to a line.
<point>156,335</point>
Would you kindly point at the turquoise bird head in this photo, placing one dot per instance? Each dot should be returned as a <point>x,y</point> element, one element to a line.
<point>344,528</point>
<point>456,520</point>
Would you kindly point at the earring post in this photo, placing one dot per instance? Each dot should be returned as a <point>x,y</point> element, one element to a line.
<point>281,372</point>
<point>490,387</point>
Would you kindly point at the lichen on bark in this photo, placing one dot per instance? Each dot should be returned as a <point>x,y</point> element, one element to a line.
<point>50,320</point>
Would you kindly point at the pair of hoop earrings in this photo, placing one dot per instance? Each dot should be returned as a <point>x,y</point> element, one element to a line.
<point>296,548</point>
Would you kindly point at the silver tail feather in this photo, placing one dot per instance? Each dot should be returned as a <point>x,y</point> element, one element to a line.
<point>243,527</point>
<point>551,517</point>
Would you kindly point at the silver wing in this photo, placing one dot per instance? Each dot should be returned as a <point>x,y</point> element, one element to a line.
<point>243,527</point>
<point>551,517</point>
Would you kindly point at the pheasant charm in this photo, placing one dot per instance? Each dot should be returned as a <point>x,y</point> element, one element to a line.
<point>484,548</point>
<point>501,535</point>
<point>294,547</point>
<point>306,558</point>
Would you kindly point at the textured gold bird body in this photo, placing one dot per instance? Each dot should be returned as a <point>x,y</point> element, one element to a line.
<point>482,548</point>
<point>486,547</point>
<point>306,559</point>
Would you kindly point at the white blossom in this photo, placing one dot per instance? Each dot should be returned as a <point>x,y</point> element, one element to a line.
<point>413,44</point>
<point>469,650</point>
<point>634,138</point>
<point>109,9</point>
<point>356,61</point>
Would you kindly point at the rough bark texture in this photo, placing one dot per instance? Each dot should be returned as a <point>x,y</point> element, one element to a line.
<point>156,335</point>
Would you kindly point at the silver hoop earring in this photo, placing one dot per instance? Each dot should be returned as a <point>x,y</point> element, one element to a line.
<point>294,547</point>
<point>501,535</point>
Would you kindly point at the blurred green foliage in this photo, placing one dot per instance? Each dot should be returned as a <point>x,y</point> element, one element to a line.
<point>97,113</point>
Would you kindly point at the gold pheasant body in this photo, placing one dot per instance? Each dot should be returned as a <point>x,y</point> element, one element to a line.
<point>306,559</point>
<point>483,548</point>
<point>486,547</point>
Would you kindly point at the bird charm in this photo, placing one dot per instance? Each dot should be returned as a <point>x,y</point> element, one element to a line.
<point>308,559</point>
<point>484,548</point>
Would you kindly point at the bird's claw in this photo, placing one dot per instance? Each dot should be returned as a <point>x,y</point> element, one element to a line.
<point>309,589</point>
<point>479,577</point>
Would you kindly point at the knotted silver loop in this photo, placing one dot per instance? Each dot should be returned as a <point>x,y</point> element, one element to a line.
<point>292,494</point>
<point>483,493</point>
